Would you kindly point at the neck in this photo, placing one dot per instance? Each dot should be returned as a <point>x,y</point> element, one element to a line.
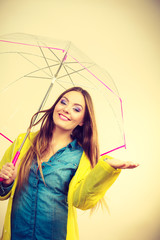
<point>59,140</point>
<point>61,136</point>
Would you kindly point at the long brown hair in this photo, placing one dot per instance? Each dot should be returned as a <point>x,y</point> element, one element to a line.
<point>86,135</point>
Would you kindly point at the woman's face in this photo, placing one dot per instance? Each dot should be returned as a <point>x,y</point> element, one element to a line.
<point>69,111</point>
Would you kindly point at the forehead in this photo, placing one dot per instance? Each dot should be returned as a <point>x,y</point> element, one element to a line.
<point>75,97</point>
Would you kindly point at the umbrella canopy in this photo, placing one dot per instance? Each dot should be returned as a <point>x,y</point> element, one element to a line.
<point>36,70</point>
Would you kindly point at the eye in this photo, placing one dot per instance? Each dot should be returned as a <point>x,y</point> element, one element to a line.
<point>63,101</point>
<point>77,109</point>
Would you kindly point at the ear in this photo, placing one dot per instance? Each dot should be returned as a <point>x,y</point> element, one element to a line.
<point>81,124</point>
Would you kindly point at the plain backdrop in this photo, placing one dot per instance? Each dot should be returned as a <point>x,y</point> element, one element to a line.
<point>122,37</point>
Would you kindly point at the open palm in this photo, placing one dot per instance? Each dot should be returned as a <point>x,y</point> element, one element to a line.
<point>116,163</point>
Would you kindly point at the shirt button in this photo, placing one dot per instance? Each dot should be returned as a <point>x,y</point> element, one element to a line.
<point>5,230</point>
<point>43,166</point>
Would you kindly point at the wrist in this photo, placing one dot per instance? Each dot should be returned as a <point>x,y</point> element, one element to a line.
<point>109,161</point>
<point>5,185</point>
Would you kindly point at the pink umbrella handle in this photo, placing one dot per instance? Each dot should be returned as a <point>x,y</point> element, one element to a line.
<point>16,158</point>
<point>1,179</point>
<point>13,161</point>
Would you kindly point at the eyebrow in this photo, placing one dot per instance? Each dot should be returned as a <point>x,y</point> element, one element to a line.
<point>74,103</point>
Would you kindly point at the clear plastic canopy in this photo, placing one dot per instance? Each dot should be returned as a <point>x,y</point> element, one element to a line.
<point>29,65</point>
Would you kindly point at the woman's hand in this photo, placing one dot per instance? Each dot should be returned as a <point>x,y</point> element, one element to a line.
<point>9,172</point>
<point>116,163</point>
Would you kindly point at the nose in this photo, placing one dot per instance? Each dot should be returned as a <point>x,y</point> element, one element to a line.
<point>66,109</point>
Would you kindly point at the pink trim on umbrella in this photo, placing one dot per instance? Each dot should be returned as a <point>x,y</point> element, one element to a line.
<point>6,137</point>
<point>32,45</point>
<point>123,146</point>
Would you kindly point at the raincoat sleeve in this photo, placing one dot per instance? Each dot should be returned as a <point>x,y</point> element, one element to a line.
<point>94,186</point>
<point>8,157</point>
<point>4,190</point>
<point>11,151</point>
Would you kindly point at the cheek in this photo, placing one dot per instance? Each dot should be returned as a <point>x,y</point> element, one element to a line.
<point>79,118</point>
<point>55,112</point>
<point>57,109</point>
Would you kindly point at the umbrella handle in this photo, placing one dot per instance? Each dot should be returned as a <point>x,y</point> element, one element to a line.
<point>13,161</point>
<point>16,158</point>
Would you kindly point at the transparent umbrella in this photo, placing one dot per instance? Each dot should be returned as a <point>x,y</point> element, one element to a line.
<point>35,70</point>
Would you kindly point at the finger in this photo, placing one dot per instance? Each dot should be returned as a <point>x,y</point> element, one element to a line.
<point>122,166</point>
<point>6,172</point>
<point>8,169</point>
<point>2,175</point>
<point>131,165</point>
<point>10,165</point>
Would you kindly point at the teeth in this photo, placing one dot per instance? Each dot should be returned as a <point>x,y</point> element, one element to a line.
<point>63,117</point>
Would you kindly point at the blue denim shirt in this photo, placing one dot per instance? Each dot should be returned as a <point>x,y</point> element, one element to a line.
<point>40,211</point>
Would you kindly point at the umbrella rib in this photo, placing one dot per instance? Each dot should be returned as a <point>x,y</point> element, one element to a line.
<point>52,52</point>
<point>68,75</point>
<point>41,69</point>
<point>77,71</point>
<point>83,77</point>
<point>91,82</point>
<point>46,61</point>
<point>37,77</point>
<point>55,55</point>
<point>63,66</point>
<point>60,84</point>
<point>80,69</point>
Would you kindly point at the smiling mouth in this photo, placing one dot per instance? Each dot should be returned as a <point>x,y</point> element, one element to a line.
<point>63,117</point>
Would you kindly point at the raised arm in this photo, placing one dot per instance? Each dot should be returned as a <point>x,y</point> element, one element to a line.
<point>94,186</point>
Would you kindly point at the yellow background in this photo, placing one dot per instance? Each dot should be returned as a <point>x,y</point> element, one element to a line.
<point>123,37</point>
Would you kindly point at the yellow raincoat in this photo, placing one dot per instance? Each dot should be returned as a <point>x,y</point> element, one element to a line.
<point>86,188</point>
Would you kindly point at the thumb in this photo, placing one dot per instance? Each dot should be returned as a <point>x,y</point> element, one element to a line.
<point>17,163</point>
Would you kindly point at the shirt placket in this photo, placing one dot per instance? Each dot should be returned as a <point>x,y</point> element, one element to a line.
<point>35,182</point>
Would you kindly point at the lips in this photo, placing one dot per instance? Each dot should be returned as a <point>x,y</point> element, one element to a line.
<point>63,117</point>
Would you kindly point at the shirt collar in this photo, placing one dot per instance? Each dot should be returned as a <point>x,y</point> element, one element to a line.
<point>73,145</point>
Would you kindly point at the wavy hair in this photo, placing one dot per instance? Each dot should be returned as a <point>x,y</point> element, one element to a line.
<point>86,135</point>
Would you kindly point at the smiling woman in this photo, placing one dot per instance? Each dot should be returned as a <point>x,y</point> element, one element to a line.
<point>70,108</point>
<point>60,169</point>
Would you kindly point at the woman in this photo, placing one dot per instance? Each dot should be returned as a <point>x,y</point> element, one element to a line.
<point>59,170</point>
